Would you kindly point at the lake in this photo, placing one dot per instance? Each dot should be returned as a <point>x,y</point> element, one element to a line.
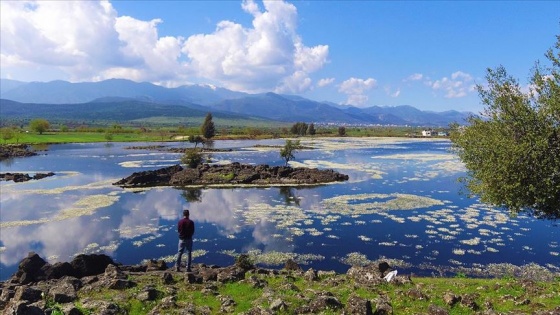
<point>402,203</point>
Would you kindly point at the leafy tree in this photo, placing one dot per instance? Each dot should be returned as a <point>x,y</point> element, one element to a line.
<point>311,129</point>
<point>7,133</point>
<point>342,131</point>
<point>196,140</point>
<point>299,128</point>
<point>512,152</point>
<point>287,152</point>
<point>208,129</point>
<point>192,157</point>
<point>39,125</point>
<point>109,136</point>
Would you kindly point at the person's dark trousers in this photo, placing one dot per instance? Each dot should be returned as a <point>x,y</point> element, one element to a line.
<point>184,245</point>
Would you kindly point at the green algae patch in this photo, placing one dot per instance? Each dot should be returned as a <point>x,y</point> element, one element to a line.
<point>84,206</point>
<point>374,203</point>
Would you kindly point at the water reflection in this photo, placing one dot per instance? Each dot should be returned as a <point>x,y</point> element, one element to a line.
<point>401,202</point>
<point>192,194</point>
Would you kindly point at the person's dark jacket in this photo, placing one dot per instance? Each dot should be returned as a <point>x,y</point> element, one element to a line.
<point>185,228</point>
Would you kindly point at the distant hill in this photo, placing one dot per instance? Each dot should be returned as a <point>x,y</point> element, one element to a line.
<point>63,92</point>
<point>119,110</point>
<point>120,96</point>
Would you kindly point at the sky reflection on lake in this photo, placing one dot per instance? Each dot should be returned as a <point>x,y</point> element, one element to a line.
<point>402,202</point>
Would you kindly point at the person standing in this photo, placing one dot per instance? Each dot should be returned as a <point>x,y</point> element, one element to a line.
<point>185,228</point>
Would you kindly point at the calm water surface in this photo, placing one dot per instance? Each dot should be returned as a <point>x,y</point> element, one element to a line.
<point>402,202</point>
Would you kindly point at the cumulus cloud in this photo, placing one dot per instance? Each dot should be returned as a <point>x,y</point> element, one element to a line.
<point>325,82</point>
<point>459,85</point>
<point>356,89</point>
<point>268,56</point>
<point>392,93</point>
<point>88,40</point>
<point>414,77</point>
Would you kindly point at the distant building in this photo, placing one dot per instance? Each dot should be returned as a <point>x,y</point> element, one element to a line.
<point>426,133</point>
<point>443,134</point>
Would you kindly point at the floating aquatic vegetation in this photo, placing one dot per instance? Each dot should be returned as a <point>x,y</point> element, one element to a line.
<point>473,241</point>
<point>375,203</point>
<point>455,262</point>
<point>173,258</point>
<point>458,251</point>
<point>527,248</point>
<point>333,236</point>
<point>411,236</point>
<point>387,243</point>
<point>474,252</point>
<point>314,232</point>
<point>274,258</point>
<point>364,238</point>
<point>373,170</point>
<point>85,206</point>
<point>447,237</point>
<point>355,259</point>
<point>145,240</point>
<point>160,245</point>
<point>491,249</point>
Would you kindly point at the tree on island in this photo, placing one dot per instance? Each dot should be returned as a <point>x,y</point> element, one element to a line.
<point>208,129</point>
<point>196,140</point>
<point>39,125</point>
<point>287,152</point>
<point>192,157</point>
<point>512,152</point>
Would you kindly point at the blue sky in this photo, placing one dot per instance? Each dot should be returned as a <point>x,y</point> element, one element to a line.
<point>426,54</point>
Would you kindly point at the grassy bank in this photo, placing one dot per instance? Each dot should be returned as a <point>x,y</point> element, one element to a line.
<point>295,292</point>
<point>172,134</point>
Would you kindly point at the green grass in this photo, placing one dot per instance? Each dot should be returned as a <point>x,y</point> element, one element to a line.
<point>505,295</point>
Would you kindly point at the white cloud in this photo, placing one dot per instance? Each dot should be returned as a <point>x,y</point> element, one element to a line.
<point>414,77</point>
<point>269,56</point>
<point>392,93</point>
<point>87,40</point>
<point>459,85</point>
<point>325,82</point>
<point>356,88</point>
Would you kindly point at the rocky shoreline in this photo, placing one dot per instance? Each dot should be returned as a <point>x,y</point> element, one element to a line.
<point>95,284</point>
<point>23,177</point>
<point>15,150</point>
<point>230,174</point>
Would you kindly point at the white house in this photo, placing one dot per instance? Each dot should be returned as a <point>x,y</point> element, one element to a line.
<point>426,133</point>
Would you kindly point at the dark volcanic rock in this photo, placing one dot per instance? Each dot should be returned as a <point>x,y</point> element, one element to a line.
<point>90,265</point>
<point>20,177</point>
<point>231,174</point>
<point>15,150</point>
<point>159,177</point>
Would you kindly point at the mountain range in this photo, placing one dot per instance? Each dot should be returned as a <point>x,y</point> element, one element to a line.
<point>126,100</point>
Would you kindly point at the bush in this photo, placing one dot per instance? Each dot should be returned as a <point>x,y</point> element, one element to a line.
<point>192,157</point>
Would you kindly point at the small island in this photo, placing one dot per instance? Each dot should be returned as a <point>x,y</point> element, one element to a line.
<point>231,174</point>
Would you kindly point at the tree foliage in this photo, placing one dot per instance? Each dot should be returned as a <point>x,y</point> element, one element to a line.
<point>208,129</point>
<point>342,131</point>
<point>196,140</point>
<point>192,157</point>
<point>7,133</point>
<point>311,129</point>
<point>287,152</point>
<point>512,152</point>
<point>39,125</point>
<point>299,128</point>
